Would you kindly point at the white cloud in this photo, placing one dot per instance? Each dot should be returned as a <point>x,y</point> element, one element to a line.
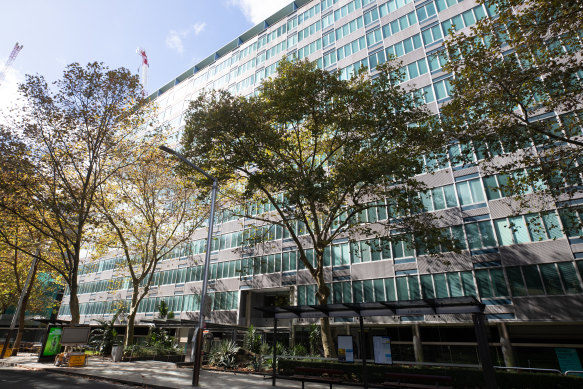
<point>257,10</point>
<point>174,41</point>
<point>174,38</point>
<point>198,28</point>
<point>10,100</point>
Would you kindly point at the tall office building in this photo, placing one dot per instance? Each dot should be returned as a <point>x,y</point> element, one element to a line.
<point>529,278</point>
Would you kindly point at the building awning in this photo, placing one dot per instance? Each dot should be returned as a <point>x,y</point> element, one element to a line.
<point>451,305</point>
<point>182,323</point>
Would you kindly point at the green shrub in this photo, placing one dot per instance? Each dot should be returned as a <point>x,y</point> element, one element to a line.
<point>224,354</point>
<point>252,340</point>
<point>299,350</point>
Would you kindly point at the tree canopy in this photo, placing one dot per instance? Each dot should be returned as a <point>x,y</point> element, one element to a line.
<point>67,134</point>
<point>149,212</point>
<point>518,80</point>
<point>313,154</point>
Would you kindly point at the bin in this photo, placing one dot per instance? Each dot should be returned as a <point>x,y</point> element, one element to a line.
<point>116,353</point>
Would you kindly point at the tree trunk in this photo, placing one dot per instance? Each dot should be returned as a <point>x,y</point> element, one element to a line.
<point>74,305</point>
<point>129,340</point>
<point>327,340</point>
<point>22,313</point>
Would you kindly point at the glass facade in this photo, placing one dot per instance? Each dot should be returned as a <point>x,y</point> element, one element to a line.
<point>347,36</point>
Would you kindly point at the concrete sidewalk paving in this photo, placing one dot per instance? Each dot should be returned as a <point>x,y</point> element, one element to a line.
<point>155,374</point>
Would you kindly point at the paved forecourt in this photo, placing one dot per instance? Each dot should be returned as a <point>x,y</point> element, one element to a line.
<point>155,374</point>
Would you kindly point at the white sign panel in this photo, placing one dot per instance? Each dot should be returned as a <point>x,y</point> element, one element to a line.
<point>382,350</point>
<point>345,350</point>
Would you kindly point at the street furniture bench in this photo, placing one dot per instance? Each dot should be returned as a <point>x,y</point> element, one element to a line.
<point>421,381</point>
<point>318,375</point>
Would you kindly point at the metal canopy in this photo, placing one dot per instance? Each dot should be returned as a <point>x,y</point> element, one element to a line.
<point>179,323</point>
<point>452,305</point>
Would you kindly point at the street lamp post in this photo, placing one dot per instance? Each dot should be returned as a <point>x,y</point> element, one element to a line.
<point>197,343</point>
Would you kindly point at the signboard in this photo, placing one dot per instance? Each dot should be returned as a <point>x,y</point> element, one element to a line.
<point>53,344</point>
<point>77,360</point>
<point>382,350</point>
<point>345,349</point>
<point>75,335</point>
<point>568,359</point>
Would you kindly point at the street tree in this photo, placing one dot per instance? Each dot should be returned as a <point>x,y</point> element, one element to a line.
<point>19,247</point>
<point>313,154</point>
<point>517,90</point>
<point>70,131</point>
<point>149,213</point>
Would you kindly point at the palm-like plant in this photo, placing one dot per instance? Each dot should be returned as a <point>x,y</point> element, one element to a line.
<point>103,337</point>
<point>224,354</point>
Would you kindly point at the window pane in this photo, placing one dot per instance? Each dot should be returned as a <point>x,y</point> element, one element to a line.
<point>402,288</point>
<point>414,293</point>
<point>516,283</point>
<point>552,226</point>
<point>427,286</point>
<point>398,249</point>
<point>483,280</point>
<point>519,230</point>
<point>460,239</point>
<point>337,292</point>
<point>277,263</point>
<point>346,292</point>
<point>365,251</point>
<point>535,227</point>
<point>534,285</point>
<point>469,18</point>
<point>355,252</point>
<point>464,193</point>
<point>477,191</point>
<point>491,186</point>
<point>468,283</point>
<point>438,198</point>
<point>357,291</point>
<point>551,278</point>
<point>390,289</point>
<point>498,282</point>
<point>301,295</point>
<point>440,286</point>
<point>426,201</point>
<point>337,255</point>
<point>450,196</point>
<point>439,87</point>
<point>503,232</point>
<point>455,286</point>
<point>569,277</point>
<point>311,294</point>
<point>473,234</point>
<point>368,291</point>
<point>375,249</point>
<point>487,233</point>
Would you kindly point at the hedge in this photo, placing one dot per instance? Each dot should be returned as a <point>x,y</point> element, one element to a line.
<point>462,377</point>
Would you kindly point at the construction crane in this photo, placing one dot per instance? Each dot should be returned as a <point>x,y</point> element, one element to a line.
<point>10,61</point>
<point>144,69</point>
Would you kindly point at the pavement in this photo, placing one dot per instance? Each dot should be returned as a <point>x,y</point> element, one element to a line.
<point>156,374</point>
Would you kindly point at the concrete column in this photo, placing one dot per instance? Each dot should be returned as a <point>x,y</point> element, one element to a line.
<point>480,327</point>
<point>417,348</point>
<point>507,351</point>
<point>292,334</point>
<point>248,309</point>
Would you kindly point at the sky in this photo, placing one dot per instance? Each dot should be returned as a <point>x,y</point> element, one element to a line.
<point>176,34</point>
